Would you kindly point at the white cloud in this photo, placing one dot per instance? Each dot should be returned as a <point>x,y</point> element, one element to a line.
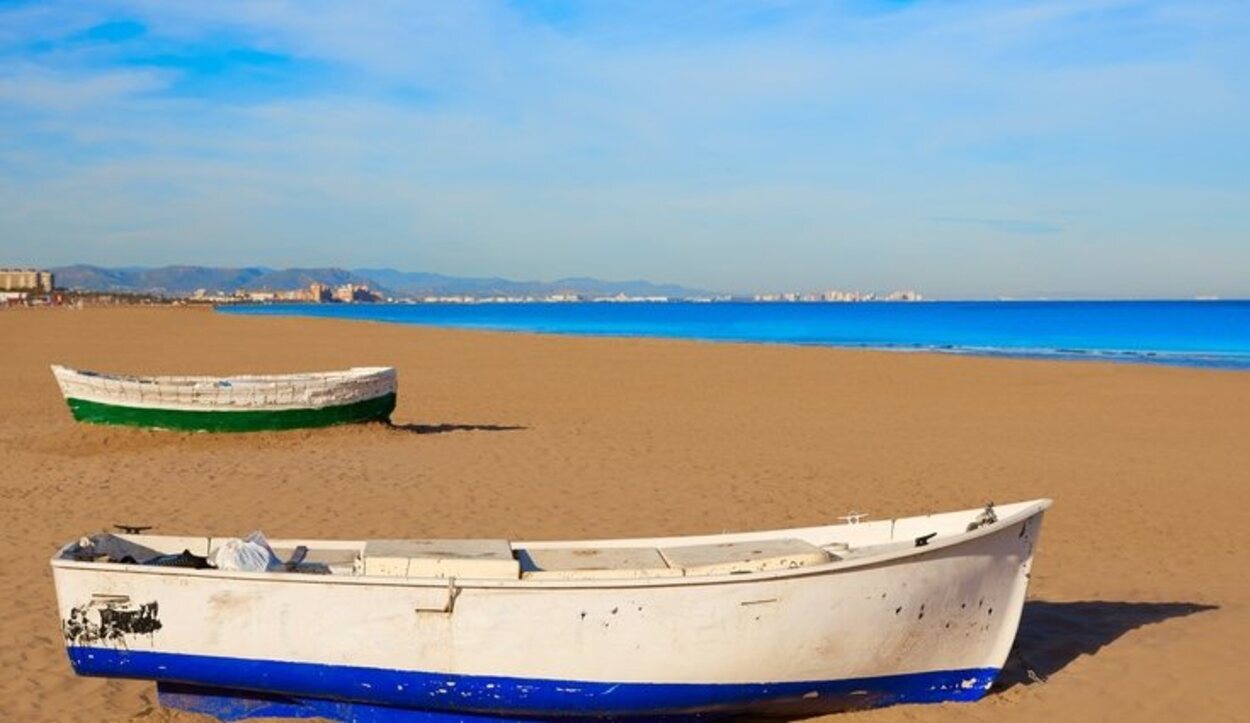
<point>43,89</point>
<point>471,136</point>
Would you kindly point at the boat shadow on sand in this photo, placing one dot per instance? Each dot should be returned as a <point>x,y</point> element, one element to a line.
<point>446,428</point>
<point>1053,634</point>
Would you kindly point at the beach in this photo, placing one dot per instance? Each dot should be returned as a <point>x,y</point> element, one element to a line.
<point>1138,602</point>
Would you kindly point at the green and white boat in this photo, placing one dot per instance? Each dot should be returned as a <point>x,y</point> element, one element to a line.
<point>230,404</point>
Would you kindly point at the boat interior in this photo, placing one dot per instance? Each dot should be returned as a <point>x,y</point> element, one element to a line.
<point>492,559</point>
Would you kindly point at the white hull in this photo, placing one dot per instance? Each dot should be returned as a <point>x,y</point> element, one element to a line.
<point>888,622</point>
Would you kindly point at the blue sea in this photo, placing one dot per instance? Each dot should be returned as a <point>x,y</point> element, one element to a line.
<point>1186,333</point>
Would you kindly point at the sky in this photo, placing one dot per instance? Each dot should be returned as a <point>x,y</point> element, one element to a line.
<point>963,149</point>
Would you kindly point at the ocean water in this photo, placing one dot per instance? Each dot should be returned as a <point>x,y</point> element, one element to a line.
<point>1187,333</point>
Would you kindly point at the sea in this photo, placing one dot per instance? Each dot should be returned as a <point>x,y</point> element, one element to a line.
<point>1214,334</point>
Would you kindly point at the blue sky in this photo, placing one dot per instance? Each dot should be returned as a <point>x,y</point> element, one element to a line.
<point>960,148</point>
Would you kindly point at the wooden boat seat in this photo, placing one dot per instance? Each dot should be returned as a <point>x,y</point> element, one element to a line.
<point>733,558</point>
<point>593,563</point>
<point>476,559</point>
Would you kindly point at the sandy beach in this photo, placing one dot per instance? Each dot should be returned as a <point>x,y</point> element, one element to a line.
<point>1139,599</point>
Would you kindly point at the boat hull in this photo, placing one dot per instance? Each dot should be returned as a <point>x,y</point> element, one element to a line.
<point>935,625</point>
<point>244,403</point>
<point>233,420</point>
<point>516,698</point>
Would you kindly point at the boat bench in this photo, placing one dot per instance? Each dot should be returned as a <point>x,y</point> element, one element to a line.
<point>736,558</point>
<point>474,559</point>
<point>593,563</point>
<point>497,559</point>
<point>729,558</point>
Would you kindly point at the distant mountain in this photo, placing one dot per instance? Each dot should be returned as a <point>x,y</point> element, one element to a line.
<point>298,278</point>
<point>181,280</point>
<point>417,283</point>
<point>184,280</point>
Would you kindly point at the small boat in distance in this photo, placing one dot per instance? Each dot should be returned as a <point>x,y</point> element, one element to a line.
<point>785,622</point>
<point>245,403</point>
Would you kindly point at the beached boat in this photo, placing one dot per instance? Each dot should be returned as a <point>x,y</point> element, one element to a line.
<point>230,404</point>
<point>788,622</point>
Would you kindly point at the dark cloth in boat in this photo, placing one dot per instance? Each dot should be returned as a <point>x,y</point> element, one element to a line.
<point>182,559</point>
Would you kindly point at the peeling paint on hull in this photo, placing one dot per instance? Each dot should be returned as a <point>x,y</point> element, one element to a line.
<point>250,420</point>
<point>218,686</point>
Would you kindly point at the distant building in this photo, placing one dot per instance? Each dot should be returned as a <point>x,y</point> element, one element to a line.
<point>784,296</point>
<point>213,297</point>
<point>315,293</point>
<point>625,299</point>
<point>348,293</point>
<point>26,280</point>
<point>838,295</point>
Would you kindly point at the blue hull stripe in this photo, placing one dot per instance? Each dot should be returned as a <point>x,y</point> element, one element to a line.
<point>308,689</point>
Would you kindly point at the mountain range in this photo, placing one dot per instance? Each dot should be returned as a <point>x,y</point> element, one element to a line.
<point>185,280</point>
<point>427,284</point>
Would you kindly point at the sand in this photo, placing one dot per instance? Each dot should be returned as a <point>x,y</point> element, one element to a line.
<point>1139,598</point>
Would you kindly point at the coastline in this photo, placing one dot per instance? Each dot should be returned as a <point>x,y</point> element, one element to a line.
<point>1195,334</point>
<point>1137,584</point>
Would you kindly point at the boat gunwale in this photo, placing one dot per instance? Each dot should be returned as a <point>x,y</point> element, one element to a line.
<point>351,373</point>
<point>1029,509</point>
<point>224,396</point>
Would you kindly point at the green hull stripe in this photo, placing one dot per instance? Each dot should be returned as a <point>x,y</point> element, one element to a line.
<point>252,420</point>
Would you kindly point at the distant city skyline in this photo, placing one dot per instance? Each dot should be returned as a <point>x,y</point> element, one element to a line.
<point>981,149</point>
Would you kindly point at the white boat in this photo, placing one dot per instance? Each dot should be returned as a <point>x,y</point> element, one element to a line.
<point>787,622</point>
<point>230,404</point>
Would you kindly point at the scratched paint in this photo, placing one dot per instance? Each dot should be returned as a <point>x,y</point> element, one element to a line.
<point>514,646</point>
<point>109,622</point>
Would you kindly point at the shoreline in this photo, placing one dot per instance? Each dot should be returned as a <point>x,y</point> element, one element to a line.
<point>1220,360</point>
